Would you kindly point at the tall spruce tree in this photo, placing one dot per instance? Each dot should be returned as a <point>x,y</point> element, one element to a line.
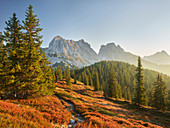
<point>68,77</point>
<point>90,80</point>
<point>168,100</point>
<point>119,90</point>
<point>151,97</point>
<point>5,79</point>
<point>140,91</point>
<point>112,85</point>
<point>85,79</point>
<point>46,83</point>
<point>60,75</point>
<point>65,73</point>
<point>56,74</point>
<point>96,82</point>
<point>33,71</point>
<point>13,36</point>
<point>128,94</point>
<point>74,76</point>
<point>38,75</point>
<point>160,94</point>
<point>106,91</point>
<point>89,77</point>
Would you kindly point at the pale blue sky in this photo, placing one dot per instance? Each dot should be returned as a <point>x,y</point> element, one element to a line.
<point>139,26</point>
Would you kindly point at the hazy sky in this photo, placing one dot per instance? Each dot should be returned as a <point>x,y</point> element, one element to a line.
<point>139,26</point>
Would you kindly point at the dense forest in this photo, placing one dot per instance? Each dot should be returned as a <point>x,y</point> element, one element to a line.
<point>97,75</point>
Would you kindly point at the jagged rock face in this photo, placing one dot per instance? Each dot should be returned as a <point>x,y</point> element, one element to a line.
<point>77,53</point>
<point>159,58</point>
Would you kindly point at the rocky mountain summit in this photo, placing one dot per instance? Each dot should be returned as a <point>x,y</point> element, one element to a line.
<point>72,53</point>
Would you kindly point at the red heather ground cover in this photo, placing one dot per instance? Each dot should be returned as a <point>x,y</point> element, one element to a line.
<point>42,112</point>
<point>108,113</point>
<point>49,111</point>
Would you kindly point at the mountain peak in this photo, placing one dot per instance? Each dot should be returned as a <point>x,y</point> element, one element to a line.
<point>111,44</point>
<point>82,40</point>
<point>164,52</point>
<point>111,47</point>
<point>159,58</point>
<point>77,53</point>
<point>58,37</point>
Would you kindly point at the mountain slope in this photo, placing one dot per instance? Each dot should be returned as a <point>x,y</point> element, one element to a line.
<point>124,74</point>
<point>73,53</point>
<point>113,52</point>
<point>100,112</point>
<point>159,58</point>
<point>97,111</point>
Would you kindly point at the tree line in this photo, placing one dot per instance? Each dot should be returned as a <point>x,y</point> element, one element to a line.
<point>24,70</point>
<point>122,80</point>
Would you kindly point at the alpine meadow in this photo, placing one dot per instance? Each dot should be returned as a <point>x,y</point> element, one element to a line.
<point>66,83</point>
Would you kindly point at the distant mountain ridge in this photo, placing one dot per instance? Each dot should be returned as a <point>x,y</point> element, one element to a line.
<point>80,54</point>
<point>159,58</point>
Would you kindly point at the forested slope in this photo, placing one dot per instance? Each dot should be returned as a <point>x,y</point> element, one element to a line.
<point>125,75</point>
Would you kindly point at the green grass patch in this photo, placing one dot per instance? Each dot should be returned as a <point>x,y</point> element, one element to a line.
<point>106,112</point>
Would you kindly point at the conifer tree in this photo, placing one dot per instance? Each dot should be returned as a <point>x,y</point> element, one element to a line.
<point>68,78</point>
<point>65,73</point>
<point>46,83</point>
<point>160,94</point>
<point>39,77</point>
<point>80,78</point>
<point>168,100</point>
<point>32,28</point>
<point>60,75</point>
<point>4,68</point>
<point>112,85</point>
<point>33,72</point>
<point>106,91</point>
<point>85,79</point>
<point>90,80</point>
<point>128,94</point>
<point>56,74</point>
<point>74,76</point>
<point>13,36</point>
<point>151,97</point>
<point>96,82</point>
<point>140,91</point>
<point>90,77</point>
<point>119,91</point>
<point>102,84</point>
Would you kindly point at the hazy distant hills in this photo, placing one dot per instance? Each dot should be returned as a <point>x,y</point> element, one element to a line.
<point>159,58</point>
<point>79,53</point>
